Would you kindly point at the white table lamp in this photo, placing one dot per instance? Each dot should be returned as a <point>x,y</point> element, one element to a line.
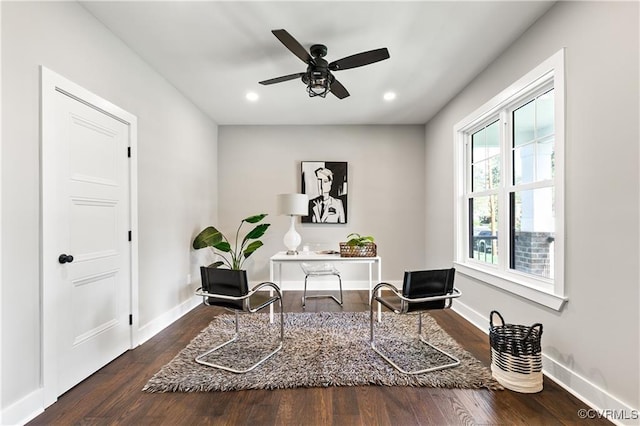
<point>293,205</point>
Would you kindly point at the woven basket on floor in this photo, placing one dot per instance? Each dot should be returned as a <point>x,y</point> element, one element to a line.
<point>516,354</point>
<point>366,250</point>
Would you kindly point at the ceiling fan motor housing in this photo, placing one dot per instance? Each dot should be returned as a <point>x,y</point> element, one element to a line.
<point>318,50</point>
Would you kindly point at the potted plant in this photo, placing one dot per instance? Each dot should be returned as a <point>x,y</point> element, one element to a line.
<point>358,246</point>
<point>232,257</point>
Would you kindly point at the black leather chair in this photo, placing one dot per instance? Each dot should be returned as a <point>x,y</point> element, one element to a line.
<point>229,289</point>
<point>421,291</point>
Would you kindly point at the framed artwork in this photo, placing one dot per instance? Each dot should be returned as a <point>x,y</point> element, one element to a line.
<point>325,183</point>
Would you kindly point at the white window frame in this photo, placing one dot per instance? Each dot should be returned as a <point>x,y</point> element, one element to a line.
<point>547,292</point>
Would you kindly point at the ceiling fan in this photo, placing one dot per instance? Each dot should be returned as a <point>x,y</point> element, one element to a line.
<point>318,77</point>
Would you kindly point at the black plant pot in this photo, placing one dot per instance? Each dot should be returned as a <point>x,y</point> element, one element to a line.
<point>228,282</point>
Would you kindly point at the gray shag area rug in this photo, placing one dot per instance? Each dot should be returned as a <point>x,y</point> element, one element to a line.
<point>320,350</point>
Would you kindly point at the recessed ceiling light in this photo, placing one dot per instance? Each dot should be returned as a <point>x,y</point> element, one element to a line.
<point>252,96</point>
<point>389,96</point>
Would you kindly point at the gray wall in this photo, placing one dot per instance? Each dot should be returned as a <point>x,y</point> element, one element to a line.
<point>596,335</point>
<point>385,191</point>
<point>177,151</point>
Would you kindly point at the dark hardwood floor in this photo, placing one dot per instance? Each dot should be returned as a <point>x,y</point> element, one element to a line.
<point>112,396</point>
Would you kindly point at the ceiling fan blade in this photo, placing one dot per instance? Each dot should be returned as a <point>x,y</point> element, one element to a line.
<point>360,59</point>
<point>281,79</point>
<point>338,89</point>
<point>293,45</point>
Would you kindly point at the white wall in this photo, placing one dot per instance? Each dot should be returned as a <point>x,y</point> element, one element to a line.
<point>385,191</point>
<point>592,345</point>
<point>177,155</point>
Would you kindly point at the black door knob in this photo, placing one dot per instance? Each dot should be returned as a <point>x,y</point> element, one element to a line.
<point>65,258</point>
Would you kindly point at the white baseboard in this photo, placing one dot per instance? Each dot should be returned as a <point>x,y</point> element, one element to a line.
<point>24,410</point>
<point>158,324</point>
<point>603,403</point>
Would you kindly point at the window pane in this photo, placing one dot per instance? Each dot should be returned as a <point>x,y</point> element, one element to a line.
<point>533,231</point>
<point>524,124</point>
<point>478,146</point>
<point>492,139</point>
<point>545,160</point>
<point>545,114</point>
<point>485,142</point>
<point>523,164</point>
<point>484,225</point>
<point>494,172</point>
<point>480,176</point>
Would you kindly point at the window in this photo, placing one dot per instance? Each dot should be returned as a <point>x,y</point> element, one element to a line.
<point>509,215</point>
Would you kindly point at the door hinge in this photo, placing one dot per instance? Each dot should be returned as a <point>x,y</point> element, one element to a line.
<point>130,319</point>
<point>129,235</point>
<point>129,152</point>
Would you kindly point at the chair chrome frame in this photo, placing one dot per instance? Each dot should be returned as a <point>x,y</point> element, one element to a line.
<point>246,308</point>
<point>404,306</point>
<point>320,296</point>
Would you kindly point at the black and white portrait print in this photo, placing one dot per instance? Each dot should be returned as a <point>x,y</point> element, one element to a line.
<point>325,183</point>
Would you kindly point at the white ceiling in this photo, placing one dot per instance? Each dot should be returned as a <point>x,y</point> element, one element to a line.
<point>214,52</point>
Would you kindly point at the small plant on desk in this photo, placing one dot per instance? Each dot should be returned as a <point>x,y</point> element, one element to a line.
<point>358,246</point>
<point>358,240</point>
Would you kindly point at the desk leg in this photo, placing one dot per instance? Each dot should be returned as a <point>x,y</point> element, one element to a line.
<point>271,290</point>
<point>370,282</point>
<point>379,291</point>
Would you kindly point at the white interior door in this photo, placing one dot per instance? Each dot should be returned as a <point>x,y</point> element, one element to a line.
<point>87,256</point>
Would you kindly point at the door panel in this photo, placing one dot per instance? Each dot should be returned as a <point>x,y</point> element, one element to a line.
<point>86,214</point>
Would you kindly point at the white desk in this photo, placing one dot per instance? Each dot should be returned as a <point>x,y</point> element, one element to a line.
<point>277,260</point>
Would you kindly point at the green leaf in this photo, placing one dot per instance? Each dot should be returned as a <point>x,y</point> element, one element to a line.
<point>255,219</point>
<point>255,245</point>
<point>257,232</point>
<point>208,237</point>
<point>223,246</point>
<point>216,264</point>
<point>358,240</point>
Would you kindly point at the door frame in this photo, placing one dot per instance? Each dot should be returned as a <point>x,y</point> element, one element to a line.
<point>50,83</point>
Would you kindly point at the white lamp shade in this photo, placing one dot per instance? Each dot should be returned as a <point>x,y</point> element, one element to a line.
<point>293,204</point>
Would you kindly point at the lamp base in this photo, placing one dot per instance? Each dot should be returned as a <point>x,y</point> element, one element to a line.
<point>292,239</point>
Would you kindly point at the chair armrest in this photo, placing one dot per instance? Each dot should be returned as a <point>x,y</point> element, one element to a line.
<point>456,293</point>
<point>200,292</point>
<point>266,284</point>
<point>391,287</point>
<point>269,301</point>
<point>383,301</point>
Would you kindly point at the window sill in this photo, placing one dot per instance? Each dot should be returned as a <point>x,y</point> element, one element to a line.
<point>528,292</point>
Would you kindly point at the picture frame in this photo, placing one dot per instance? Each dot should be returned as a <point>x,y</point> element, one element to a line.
<point>326,184</point>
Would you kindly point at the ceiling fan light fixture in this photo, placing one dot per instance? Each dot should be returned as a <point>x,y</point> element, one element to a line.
<point>318,83</point>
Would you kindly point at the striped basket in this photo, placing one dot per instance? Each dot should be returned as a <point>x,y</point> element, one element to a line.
<point>516,354</point>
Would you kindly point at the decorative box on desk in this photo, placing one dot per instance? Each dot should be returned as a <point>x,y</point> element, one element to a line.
<point>358,246</point>
<point>366,250</point>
